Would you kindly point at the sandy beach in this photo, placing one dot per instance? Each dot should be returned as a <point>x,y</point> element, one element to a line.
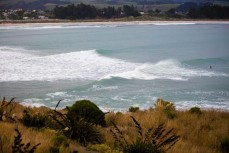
<point>109,23</point>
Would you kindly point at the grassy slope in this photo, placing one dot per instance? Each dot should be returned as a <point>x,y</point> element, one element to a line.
<point>199,133</point>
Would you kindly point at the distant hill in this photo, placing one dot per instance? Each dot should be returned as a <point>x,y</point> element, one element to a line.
<point>49,4</point>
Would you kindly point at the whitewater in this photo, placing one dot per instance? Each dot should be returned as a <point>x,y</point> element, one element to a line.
<point>116,66</point>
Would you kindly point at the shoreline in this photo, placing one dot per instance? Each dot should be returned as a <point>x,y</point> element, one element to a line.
<point>108,22</point>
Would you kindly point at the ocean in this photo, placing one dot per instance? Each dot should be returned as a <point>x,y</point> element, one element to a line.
<point>116,65</point>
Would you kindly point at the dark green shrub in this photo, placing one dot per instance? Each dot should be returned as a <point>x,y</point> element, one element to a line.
<point>155,140</point>
<point>133,109</point>
<point>31,119</point>
<point>88,111</point>
<point>224,145</point>
<point>76,127</point>
<point>195,110</point>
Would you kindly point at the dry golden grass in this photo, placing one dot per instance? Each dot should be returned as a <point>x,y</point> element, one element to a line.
<point>28,135</point>
<point>43,136</point>
<point>33,135</point>
<point>199,133</point>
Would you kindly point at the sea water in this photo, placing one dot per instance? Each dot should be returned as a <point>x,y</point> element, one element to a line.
<point>116,66</point>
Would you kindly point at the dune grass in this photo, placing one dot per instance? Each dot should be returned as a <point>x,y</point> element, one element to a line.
<point>199,132</point>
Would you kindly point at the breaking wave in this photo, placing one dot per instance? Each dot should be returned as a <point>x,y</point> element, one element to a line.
<point>18,64</point>
<point>166,69</point>
<point>81,65</point>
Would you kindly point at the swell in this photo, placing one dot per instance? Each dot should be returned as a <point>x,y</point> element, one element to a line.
<point>220,64</point>
<point>219,60</point>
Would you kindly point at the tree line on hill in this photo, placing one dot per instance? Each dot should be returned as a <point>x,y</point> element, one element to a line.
<point>209,12</point>
<point>83,11</point>
<point>203,10</point>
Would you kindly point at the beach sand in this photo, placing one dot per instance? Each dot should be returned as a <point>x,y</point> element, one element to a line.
<point>109,23</point>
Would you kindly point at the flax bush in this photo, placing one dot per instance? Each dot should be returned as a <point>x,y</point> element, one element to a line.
<point>154,140</point>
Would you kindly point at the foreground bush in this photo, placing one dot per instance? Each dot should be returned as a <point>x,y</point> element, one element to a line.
<point>155,140</point>
<point>75,126</point>
<point>133,109</point>
<point>31,119</point>
<point>195,110</point>
<point>84,133</point>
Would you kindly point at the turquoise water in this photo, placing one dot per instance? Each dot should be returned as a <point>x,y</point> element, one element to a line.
<point>116,66</point>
